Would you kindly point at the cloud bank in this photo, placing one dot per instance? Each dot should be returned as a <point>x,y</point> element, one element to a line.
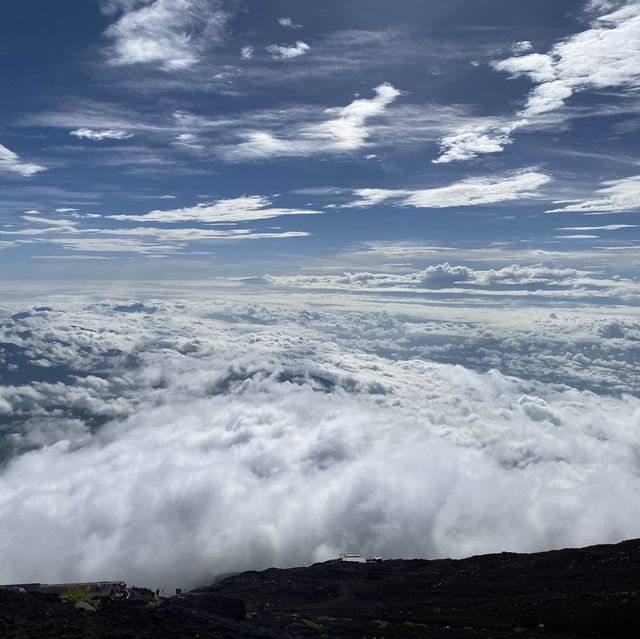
<point>198,438</point>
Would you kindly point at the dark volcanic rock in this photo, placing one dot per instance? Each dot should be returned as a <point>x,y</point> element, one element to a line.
<point>590,592</point>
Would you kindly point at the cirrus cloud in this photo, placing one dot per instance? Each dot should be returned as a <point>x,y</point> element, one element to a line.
<point>615,196</point>
<point>345,130</point>
<point>289,51</point>
<point>240,209</point>
<point>469,192</point>
<point>11,163</point>
<point>98,135</point>
<point>598,58</point>
<point>172,34</point>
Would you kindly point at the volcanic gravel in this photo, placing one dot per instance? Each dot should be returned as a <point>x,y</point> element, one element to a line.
<point>589,592</point>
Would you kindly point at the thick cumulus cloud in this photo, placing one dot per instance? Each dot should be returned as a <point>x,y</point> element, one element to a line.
<point>165,442</point>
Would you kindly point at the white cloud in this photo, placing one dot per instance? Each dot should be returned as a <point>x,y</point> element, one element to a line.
<point>523,46</point>
<point>534,281</point>
<point>287,22</point>
<point>289,51</point>
<point>616,195</point>
<point>132,245</point>
<point>607,227</point>
<point>597,58</point>
<point>150,241</point>
<point>345,130</point>
<point>189,141</point>
<point>470,192</point>
<point>472,140</point>
<point>537,66</point>
<point>66,210</point>
<point>11,163</point>
<point>545,97</point>
<point>303,445</point>
<point>581,236</point>
<point>48,221</point>
<point>247,52</point>
<point>601,6</point>
<point>172,34</point>
<point>240,209</point>
<point>106,134</point>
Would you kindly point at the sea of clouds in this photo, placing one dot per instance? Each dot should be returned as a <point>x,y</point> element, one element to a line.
<point>165,442</point>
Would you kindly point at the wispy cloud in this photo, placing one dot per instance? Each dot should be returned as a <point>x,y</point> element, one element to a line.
<point>172,34</point>
<point>470,192</point>
<point>146,241</point>
<point>240,209</point>
<point>289,51</point>
<point>61,222</point>
<point>615,195</point>
<point>523,46</point>
<point>10,162</point>
<point>106,134</point>
<point>288,22</point>
<point>595,59</point>
<point>345,130</point>
<point>606,227</point>
<point>472,140</point>
<point>577,236</point>
<point>189,141</point>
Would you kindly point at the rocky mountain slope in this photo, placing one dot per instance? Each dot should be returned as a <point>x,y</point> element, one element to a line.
<point>589,592</point>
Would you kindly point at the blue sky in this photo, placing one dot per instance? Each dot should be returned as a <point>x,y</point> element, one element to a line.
<point>148,139</point>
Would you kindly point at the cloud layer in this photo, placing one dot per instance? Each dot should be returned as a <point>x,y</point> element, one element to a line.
<point>535,281</point>
<point>164,443</point>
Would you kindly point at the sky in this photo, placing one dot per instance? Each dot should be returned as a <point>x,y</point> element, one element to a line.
<point>282,280</point>
<point>157,140</point>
